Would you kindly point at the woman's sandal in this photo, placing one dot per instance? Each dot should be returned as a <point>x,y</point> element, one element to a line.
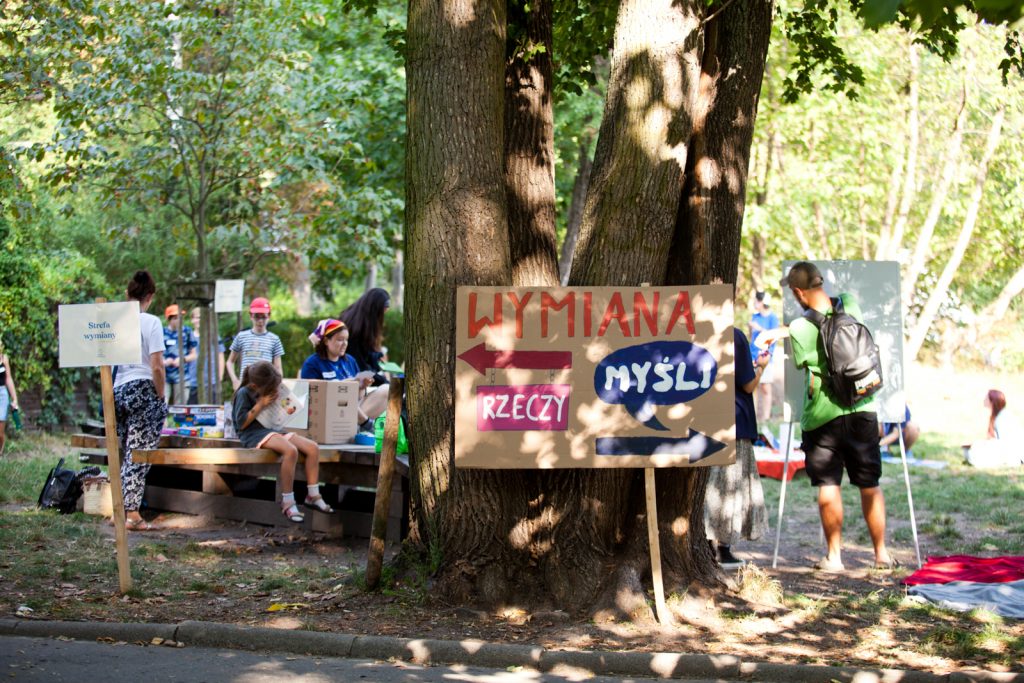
<point>291,511</point>
<point>319,503</point>
<point>138,525</point>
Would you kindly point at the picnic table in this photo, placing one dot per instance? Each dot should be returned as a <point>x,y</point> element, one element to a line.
<point>219,478</point>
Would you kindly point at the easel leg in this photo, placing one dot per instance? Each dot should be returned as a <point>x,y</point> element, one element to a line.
<point>910,498</point>
<point>782,495</point>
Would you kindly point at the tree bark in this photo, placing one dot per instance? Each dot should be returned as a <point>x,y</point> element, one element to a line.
<point>950,161</point>
<point>579,196</point>
<point>938,293</point>
<point>530,149</point>
<point>706,243</point>
<point>371,277</point>
<point>457,227</point>
<point>641,155</point>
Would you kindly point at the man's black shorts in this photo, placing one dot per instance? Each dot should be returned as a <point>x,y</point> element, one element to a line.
<point>850,441</point>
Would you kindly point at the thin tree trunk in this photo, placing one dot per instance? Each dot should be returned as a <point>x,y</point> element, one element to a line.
<point>819,225</point>
<point>579,196</point>
<point>892,200</point>
<point>457,227</point>
<point>910,181</point>
<point>371,277</point>
<point>950,161</point>
<point>938,293</point>
<point>398,281</point>
<point>530,150</point>
<point>757,267</point>
<point>302,287</point>
<point>995,311</point>
<point>862,210</point>
<point>796,222</point>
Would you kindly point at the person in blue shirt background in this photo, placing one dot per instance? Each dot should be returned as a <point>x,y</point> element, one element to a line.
<point>762,320</point>
<point>172,357</point>
<point>330,362</point>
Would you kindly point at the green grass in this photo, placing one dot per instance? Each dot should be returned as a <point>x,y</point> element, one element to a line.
<point>27,459</point>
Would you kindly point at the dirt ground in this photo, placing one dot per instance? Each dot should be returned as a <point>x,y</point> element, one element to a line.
<point>857,618</point>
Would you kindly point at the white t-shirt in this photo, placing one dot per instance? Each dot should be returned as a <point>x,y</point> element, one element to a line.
<point>152,342</point>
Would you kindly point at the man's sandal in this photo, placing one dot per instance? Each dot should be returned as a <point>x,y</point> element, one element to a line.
<point>291,511</point>
<point>319,503</point>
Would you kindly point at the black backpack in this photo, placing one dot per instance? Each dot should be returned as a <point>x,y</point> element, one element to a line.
<point>63,488</point>
<point>853,366</point>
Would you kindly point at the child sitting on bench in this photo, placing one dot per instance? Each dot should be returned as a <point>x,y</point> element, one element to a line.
<point>257,391</point>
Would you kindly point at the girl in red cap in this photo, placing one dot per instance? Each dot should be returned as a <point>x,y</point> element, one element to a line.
<point>255,344</point>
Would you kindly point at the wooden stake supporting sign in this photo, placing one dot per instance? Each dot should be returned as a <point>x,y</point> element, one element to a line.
<point>124,573</point>
<point>103,335</point>
<point>653,538</point>
<point>385,473</point>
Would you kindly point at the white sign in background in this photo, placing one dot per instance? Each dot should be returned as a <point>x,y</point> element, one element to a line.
<point>228,295</point>
<point>90,335</point>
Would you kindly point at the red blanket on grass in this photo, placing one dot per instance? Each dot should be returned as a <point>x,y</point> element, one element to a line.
<point>968,568</point>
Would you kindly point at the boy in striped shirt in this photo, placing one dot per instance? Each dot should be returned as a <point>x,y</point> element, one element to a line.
<point>256,344</point>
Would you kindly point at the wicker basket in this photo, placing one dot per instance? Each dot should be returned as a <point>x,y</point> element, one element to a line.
<point>96,497</point>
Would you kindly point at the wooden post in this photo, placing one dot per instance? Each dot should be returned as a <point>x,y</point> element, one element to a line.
<point>653,538</point>
<point>385,473</point>
<point>124,573</point>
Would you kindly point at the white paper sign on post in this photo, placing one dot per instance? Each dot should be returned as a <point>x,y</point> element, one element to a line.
<point>227,297</point>
<point>90,335</point>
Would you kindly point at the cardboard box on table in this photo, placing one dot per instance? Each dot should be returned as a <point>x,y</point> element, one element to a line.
<point>333,409</point>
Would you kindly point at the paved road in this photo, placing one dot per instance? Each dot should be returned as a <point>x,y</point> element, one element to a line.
<point>41,659</point>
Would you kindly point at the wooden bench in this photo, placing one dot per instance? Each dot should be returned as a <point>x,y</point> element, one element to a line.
<point>217,478</point>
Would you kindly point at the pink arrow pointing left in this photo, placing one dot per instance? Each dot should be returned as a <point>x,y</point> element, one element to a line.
<point>481,359</point>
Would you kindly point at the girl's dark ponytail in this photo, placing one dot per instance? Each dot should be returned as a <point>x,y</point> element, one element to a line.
<point>142,285</point>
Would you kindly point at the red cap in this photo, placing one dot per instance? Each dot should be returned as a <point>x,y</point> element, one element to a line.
<point>171,310</point>
<point>259,305</point>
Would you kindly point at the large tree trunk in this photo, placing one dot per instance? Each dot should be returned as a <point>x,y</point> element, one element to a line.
<point>571,538</point>
<point>707,240</point>
<point>938,293</point>
<point>641,154</point>
<point>456,225</point>
<point>530,150</point>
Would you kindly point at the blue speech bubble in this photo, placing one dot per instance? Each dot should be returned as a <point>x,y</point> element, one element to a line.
<point>658,373</point>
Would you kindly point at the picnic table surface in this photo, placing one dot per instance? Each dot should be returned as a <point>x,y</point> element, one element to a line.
<point>190,450</point>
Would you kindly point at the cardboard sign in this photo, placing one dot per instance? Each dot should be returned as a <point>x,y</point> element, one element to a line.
<point>99,334</point>
<point>594,377</point>
<point>227,296</point>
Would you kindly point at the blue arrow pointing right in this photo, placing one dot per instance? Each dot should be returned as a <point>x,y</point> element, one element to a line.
<point>696,445</point>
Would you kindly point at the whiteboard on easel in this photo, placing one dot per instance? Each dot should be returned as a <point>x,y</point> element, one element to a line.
<point>876,286</point>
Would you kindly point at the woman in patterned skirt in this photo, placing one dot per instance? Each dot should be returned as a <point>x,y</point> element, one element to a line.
<point>138,400</point>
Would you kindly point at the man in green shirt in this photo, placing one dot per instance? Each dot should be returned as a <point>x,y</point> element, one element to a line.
<point>835,436</point>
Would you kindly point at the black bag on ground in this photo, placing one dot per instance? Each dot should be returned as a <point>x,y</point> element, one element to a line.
<point>63,488</point>
<point>853,366</point>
